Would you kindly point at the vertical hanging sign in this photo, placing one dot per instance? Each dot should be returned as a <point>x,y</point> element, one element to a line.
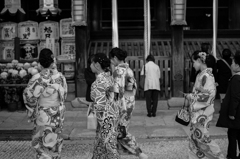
<point>13,6</point>
<point>50,44</point>
<point>79,12</point>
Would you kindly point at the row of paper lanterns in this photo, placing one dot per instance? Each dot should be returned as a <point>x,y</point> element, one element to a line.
<point>30,30</point>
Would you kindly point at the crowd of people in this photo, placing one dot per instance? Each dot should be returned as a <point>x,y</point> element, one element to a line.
<point>111,92</point>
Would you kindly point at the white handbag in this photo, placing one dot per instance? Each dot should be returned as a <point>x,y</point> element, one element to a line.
<point>91,118</point>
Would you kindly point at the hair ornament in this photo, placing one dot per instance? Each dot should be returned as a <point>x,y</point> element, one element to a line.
<point>203,56</point>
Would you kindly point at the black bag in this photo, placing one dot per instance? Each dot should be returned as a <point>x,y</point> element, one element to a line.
<point>122,133</point>
<point>183,115</point>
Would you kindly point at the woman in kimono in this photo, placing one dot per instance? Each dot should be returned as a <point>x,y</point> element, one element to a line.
<point>201,110</point>
<point>44,99</point>
<point>106,108</point>
<point>125,87</point>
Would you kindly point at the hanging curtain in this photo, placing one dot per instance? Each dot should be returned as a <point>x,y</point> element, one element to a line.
<point>147,28</point>
<point>115,42</point>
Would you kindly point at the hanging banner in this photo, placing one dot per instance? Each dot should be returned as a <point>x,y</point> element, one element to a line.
<point>79,12</point>
<point>13,6</point>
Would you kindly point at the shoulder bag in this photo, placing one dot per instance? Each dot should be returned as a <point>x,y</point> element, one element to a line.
<point>183,115</point>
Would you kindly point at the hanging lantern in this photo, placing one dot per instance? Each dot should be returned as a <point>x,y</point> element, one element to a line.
<point>47,6</point>
<point>178,10</point>
<point>13,6</point>
<point>79,12</point>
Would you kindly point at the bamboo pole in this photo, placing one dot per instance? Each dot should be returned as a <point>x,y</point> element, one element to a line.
<point>147,28</point>
<point>215,27</point>
<point>115,41</point>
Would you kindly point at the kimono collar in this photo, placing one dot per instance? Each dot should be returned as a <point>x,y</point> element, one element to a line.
<point>238,73</point>
<point>45,72</point>
<point>209,70</point>
<point>101,74</point>
<point>123,65</point>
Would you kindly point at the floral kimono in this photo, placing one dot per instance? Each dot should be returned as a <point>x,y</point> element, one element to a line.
<point>107,112</point>
<point>202,109</point>
<point>125,85</point>
<point>44,98</point>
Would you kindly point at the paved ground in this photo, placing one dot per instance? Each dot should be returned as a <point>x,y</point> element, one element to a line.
<point>143,127</point>
<point>162,149</point>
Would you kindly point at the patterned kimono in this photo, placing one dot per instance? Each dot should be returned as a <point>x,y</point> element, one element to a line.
<point>44,98</point>
<point>202,109</point>
<point>125,86</point>
<point>107,112</point>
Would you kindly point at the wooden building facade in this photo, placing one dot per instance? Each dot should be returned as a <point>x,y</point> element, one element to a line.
<point>169,44</point>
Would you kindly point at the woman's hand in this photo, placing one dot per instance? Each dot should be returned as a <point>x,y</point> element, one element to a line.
<point>232,117</point>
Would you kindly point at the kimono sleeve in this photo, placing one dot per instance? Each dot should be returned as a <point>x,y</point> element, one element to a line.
<point>98,95</point>
<point>205,94</point>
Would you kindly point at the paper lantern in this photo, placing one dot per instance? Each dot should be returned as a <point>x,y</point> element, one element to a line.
<point>178,10</point>
<point>8,31</point>
<point>7,50</point>
<point>79,12</point>
<point>48,29</point>
<point>28,30</point>
<point>66,28</point>
<point>13,6</point>
<point>46,6</point>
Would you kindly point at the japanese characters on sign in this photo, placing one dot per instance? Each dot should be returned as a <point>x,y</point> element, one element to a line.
<point>66,28</point>
<point>49,29</point>
<point>8,31</point>
<point>28,30</point>
<point>29,50</point>
<point>7,50</point>
<point>68,48</point>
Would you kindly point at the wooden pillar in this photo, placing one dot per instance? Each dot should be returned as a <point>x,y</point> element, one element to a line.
<point>177,60</point>
<point>95,15</point>
<point>161,14</point>
<point>81,53</point>
<point>234,14</point>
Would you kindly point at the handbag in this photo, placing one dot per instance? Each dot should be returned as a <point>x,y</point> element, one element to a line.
<point>91,118</point>
<point>142,79</point>
<point>183,115</point>
<point>122,132</point>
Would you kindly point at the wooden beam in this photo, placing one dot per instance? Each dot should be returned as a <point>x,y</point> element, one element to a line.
<point>81,53</point>
<point>177,61</point>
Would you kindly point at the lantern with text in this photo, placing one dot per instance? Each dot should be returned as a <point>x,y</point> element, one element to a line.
<point>13,6</point>
<point>79,12</point>
<point>178,11</point>
<point>48,6</point>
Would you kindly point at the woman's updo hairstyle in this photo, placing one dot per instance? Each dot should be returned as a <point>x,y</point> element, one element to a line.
<point>204,57</point>
<point>102,59</point>
<point>119,53</point>
<point>46,58</point>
